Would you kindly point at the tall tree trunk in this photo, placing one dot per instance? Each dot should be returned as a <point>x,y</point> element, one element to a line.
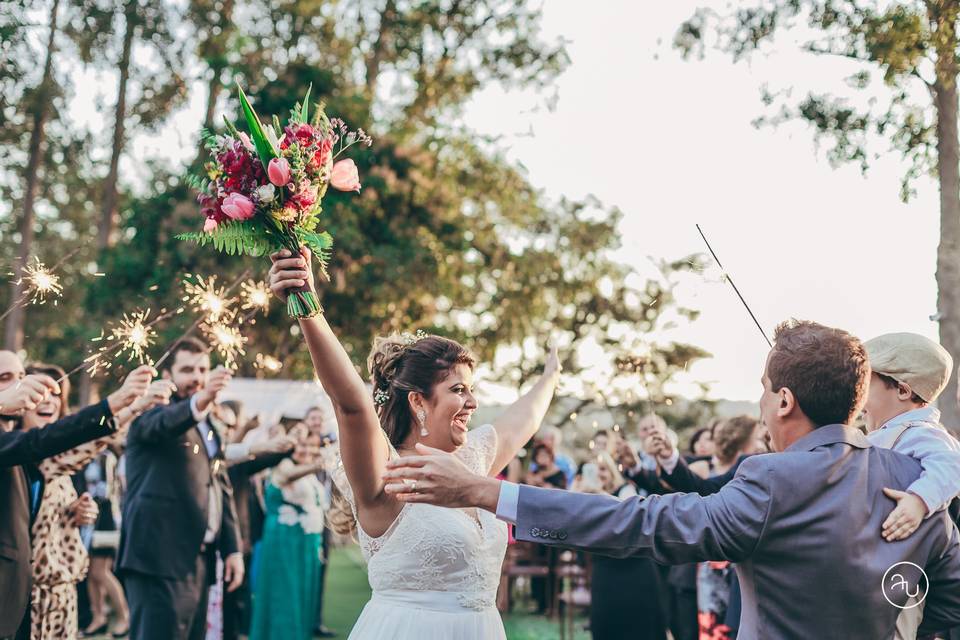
<point>948,169</point>
<point>216,57</point>
<point>384,32</point>
<point>13,333</point>
<point>108,214</point>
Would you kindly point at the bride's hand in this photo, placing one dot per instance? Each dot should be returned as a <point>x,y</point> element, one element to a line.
<point>553,367</point>
<point>290,271</point>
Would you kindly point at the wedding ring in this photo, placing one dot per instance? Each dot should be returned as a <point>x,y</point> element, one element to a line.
<point>413,486</point>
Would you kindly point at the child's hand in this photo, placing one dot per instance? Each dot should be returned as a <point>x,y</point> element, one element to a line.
<point>906,517</point>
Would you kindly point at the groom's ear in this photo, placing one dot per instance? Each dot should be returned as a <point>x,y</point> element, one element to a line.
<point>165,374</point>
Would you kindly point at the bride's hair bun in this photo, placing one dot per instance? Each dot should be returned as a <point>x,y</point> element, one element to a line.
<point>383,360</point>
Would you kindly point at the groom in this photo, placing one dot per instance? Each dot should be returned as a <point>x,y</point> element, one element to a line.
<point>803,525</point>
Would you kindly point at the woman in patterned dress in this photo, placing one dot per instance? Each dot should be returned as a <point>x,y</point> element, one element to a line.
<point>59,558</point>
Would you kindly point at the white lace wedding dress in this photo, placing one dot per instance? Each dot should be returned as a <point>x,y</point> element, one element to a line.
<point>435,571</point>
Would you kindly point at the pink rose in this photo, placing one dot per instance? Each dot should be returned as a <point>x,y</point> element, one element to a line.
<point>279,171</point>
<point>345,176</point>
<point>238,207</point>
<point>209,225</point>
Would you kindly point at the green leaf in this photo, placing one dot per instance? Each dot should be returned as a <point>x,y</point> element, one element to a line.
<point>305,106</point>
<point>263,146</point>
<point>234,238</point>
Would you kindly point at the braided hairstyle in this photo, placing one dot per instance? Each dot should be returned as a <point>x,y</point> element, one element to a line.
<point>399,366</point>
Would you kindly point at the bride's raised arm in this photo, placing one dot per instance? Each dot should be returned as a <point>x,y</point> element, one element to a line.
<point>363,448</point>
<point>521,420</point>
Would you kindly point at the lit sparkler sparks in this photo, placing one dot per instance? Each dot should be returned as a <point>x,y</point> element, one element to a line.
<point>207,298</point>
<point>267,363</point>
<point>129,338</point>
<point>255,296</point>
<point>40,282</point>
<point>227,340</point>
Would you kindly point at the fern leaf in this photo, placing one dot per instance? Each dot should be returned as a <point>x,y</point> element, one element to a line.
<point>232,238</point>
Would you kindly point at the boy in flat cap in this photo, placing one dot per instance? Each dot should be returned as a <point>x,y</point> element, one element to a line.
<point>909,373</point>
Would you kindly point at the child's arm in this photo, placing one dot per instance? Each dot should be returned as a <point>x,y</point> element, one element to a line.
<point>939,454</point>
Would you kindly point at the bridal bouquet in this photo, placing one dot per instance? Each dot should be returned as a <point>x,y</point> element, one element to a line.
<point>262,191</point>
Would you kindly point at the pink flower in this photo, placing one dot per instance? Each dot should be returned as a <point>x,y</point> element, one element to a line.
<point>305,197</point>
<point>245,139</point>
<point>238,207</point>
<point>209,225</point>
<point>279,171</point>
<point>345,176</point>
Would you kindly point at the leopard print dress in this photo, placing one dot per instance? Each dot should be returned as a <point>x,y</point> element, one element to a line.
<point>59,558</point>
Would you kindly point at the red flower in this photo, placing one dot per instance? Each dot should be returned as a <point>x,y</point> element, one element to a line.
<point>242,171</point>
<point>210,208</point>
<point>321,156</point>
<point>302,134</point>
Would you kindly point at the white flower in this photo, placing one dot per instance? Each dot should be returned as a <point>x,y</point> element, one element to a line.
<point>266,193</point>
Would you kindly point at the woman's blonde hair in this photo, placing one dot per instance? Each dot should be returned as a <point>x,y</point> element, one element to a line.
<point>604,459</point>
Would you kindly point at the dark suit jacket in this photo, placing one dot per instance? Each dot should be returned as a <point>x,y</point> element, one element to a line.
<point>682,479</point>
<point>165,508</point>
<point>243,495</point>
<point>20,449</point>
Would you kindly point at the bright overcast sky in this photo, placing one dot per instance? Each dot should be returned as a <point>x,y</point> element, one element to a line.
<point>671,144</point>
<point>674,146</point>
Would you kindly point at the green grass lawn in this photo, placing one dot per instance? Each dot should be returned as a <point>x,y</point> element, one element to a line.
<point>347,591</point>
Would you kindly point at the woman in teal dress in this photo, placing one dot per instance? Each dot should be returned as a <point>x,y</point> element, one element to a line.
<point>287,582</point>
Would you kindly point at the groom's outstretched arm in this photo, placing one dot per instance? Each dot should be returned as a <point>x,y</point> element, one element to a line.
<point>671,529</point>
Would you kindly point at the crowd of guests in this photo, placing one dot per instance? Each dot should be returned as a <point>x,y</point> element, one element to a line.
<point>634,598</point>
<point>161,512</point>
<point>164,512</point>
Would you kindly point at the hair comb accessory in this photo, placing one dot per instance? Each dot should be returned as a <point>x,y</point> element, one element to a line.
<point>410,339</point>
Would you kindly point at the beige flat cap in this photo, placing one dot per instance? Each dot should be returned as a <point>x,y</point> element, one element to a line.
<point>913,360</point>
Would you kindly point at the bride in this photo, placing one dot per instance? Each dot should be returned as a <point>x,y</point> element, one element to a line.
<point>434,571</point>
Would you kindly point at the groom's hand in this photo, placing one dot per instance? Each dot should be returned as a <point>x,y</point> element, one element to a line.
<point>440,478</point>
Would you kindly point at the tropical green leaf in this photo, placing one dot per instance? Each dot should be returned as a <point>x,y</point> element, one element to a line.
<point>305,106</point>
<point>264,147</point>
<point>234,238</point>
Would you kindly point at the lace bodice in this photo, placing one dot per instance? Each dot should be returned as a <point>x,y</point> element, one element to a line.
<point>430,548</point>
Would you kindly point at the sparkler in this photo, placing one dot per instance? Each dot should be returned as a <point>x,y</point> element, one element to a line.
<point>227,340</point>
<point>133,335</point>
<point>39,282</point>
<point>268,363</point>
<point>205,297</point>
<point>736,290</point>
<point>255,296</point>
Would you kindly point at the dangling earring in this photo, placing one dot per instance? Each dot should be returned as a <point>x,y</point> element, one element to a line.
<point>422,417</point>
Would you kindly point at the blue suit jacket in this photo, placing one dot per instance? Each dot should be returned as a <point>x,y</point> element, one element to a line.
<point>803,527</point>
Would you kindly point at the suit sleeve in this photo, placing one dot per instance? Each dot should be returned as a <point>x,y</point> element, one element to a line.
<point>248,468</point>
<point>162,423</point>
<point>683,479</point>
<point>671,529</point>
<point>30,447</point>
<point>230,541</point>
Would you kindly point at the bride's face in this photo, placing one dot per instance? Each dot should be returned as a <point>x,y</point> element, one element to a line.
<point>449,410</point>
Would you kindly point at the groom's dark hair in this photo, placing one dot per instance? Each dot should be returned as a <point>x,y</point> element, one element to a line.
<point>190,345</point>
<point>826,369</point>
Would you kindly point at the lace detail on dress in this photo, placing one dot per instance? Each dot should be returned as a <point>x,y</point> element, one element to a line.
<point>431,548</point>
